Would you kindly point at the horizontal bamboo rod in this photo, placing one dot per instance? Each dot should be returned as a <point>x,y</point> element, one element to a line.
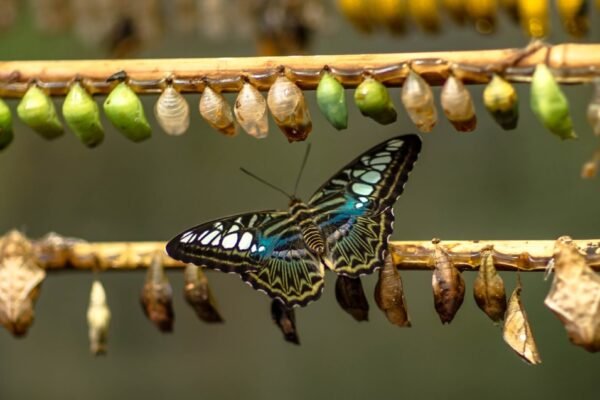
<point>511,255</point>
<point>573,63</point>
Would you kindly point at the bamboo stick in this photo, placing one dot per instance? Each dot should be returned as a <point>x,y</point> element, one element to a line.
<point>57,253</point>
<point>573,63</point>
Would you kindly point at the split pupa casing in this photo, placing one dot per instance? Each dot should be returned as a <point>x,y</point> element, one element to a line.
<point>549,103</point>
<point>217,112</point>
<point>593,110</point>
<point>448,287</point>
<point>172,112</point>
<point>517,332</point>
<point>458,105</point>
<point>199,296</point>
<point>500,99</point>
<point>418,101</point>
<point>251,112</point>
<point>574,15</point>
<point>488,289</point>
<point>389,294</point>
<point>98,318</point>
<point>374,101</point>
<point>285,319</point>
<point>37,111</point>
<point>331,98</point>
<point>534,17</point>
<point>157,296</point>
<point>289,109</point>
<point>350,296</point>
<point>125,111</point>
<point>83,116</point>
<point>6,130</point>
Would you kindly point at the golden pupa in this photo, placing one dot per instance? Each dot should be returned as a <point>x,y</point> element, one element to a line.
<point>458,105</point>
<point>574,15</point>
<point>157,295</point>
<point>251,111</point>
<point>500,99</point>
<point>488,288</point>
<point>217,112</point>
<point>425,14</point>
<point>483,14</point>
<point>289,109</point>
<point>389,294</point>
<point>534,16</point>
<point>418,101</point>
<point>350,296</point>
<point>172,112</point>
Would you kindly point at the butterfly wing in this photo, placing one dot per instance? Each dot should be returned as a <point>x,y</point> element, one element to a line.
<point>265,248</point>
<point>354,209</point>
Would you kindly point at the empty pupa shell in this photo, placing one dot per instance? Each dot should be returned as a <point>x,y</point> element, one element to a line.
<point>574,16</point>
<point>534,16</point>
<point>199,296</point>
<point>288,107</point>
<point>373,101</point>
<point>251,112</point>
<point>488,289</point>
<point>98,318</point>
<point>331,98</point>
<point>217,112</point>
<point>417,98</point>
<point>37,111</point>
<point>517,332</point>
<point>157,296</point>
<point>125,111</point>
<point>350,296</point>
<point>458,105</point>
<point>389,294</point>
<point>285,319</point>
<point>172,112</point>
<point>549,103</point>
<point>500,99</point>
<point>6,131</point>
<point>448,286</point>
<point>593,110</point>
<point>83,116</point>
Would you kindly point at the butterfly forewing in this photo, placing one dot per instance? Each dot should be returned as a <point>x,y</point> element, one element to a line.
<point>354,208</point>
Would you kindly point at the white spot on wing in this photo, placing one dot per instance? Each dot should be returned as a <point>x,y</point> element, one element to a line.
<point>371,177</point>
<point>357,173</point>
<point>362,189</point>
<point>186,237</point>
<point>245,241</point>
<point>253,248</point>
<point>217,240</point>
<point>261,249</point>
<point>380,167</point>
<point>234,228</point>
<point>363,199</point>
<point>230,241</point>
<point>209,237</point>
<point>218,226</point>
<point>381,160</point>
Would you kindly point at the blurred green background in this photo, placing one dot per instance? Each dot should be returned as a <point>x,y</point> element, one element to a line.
<point>489,184</point>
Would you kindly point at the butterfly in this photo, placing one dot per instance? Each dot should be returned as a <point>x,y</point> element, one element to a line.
<point>344,226</point>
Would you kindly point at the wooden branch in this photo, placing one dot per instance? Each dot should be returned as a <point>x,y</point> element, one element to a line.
<point>57,253</point>
<point>573,63</point>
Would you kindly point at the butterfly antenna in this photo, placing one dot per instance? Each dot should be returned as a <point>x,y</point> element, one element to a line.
<point>266,183</point>
<point>301,169</point>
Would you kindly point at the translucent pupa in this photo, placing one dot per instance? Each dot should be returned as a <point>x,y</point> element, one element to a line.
<point>172,112</point>
<point>251,111</point>
<point>389,294</point>
<point>418,101</point>
<point>216,111</point>
<point>98,318</point>
<point>289,109</point>
<point>157,295</point>
<point>488,288</point>
<point>448,286</point>
<point>458,105</point>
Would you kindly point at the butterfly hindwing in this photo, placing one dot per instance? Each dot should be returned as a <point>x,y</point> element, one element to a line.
<point>265,248</point>
<point>354,208</point>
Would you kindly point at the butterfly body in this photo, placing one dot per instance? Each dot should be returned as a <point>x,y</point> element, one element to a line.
<point>344,226</point>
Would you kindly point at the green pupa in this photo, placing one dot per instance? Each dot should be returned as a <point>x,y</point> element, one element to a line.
<point>500,99</point>
<point>83,116</point>
<point>37,111</point>
<point>373,101</point>
<point>6,132</point>
<point>549,103</point>
<point>125,111</point>
<point>331,98</point>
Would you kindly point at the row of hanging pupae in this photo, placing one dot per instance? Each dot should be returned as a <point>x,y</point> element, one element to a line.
<point>286,102</point>
<point>532,15</point>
